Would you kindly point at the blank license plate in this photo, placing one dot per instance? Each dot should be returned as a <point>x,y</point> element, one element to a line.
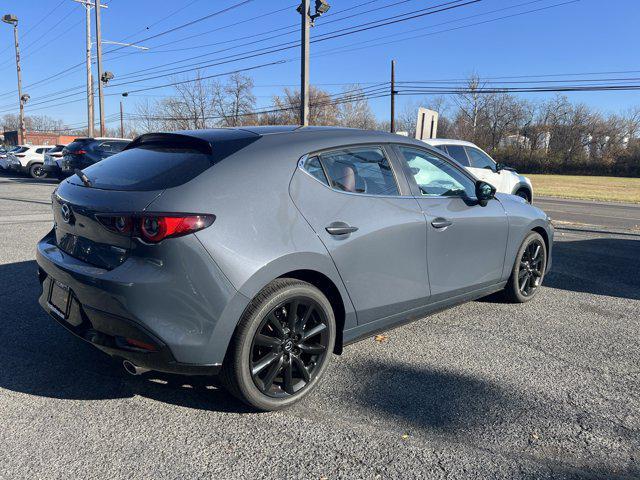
<point>59,297</point>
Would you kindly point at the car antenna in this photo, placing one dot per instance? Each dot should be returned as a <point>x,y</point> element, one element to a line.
<point>83,177</point>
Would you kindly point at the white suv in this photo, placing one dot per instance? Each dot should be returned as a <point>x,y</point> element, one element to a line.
<point>483,167</point>
<point>28,159</point>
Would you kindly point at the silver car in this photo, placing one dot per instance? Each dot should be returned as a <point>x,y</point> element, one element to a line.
<point>256,253</point>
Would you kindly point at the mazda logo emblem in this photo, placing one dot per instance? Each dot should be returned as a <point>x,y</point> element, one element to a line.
<point>66,212</point>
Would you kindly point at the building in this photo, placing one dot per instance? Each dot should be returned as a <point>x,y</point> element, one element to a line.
<point>38,138</point>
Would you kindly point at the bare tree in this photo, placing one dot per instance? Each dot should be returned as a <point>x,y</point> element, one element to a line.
<point>234,102</point>
<point>353,109</point>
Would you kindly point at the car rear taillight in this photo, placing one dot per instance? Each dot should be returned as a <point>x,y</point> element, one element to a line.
<point>153,228</point>
<point>21,155</point>
<point>78,152</point>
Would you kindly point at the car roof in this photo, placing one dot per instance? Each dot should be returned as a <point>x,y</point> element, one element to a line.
<point>448,141</point>
<point>79,139</point>
<point>288,133</point>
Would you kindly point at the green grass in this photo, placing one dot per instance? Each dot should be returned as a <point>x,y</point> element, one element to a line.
<point>608,189</point>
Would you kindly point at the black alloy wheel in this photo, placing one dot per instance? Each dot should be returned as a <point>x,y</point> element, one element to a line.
<point>282,345</point>
<point>531,268</point>
<point>288,347</point>
<point>528,271</point>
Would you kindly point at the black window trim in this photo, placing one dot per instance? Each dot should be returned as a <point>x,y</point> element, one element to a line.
<point>415,189</point>
<point>404,189</point>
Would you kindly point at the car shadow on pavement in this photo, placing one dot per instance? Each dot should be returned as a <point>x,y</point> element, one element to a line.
<point>424,398</point>
<point>39,357</point>
<point>600,266</point>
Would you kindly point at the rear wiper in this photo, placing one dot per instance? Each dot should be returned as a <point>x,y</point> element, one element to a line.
<point>83,177</point>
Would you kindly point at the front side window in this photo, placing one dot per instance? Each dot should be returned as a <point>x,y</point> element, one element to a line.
<point>479,159</point>
<point>39,150</point>
<point>458,153</point>
<point>436,177</point>
<point>360,170</point>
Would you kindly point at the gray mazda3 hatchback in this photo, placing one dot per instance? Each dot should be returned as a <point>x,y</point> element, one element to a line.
<point>256,253</point>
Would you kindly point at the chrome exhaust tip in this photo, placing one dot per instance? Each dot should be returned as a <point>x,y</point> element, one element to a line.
<point>132,369</point>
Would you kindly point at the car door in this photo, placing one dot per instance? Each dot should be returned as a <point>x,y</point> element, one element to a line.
<point>372,227</point>
<point>466,242</point>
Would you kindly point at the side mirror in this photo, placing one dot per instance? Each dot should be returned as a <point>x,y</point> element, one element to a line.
<point>484,193</point>
<point>500,166</point>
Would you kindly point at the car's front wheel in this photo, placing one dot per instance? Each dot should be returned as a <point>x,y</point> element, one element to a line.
<point>282,345</point>
<point>528,269</point>
<point>522,193</point>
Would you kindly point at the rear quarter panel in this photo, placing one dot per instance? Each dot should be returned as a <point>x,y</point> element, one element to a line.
<point>258,234</point>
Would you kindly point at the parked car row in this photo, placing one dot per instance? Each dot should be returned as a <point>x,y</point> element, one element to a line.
<point>59,161</point>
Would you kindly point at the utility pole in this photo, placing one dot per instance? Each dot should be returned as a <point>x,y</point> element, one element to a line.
<point>393,96</point>
<point>13,20</point>
<point>121,121</point>
<point>304,60</point>
<point>90,112</point>
<point>99,62</point>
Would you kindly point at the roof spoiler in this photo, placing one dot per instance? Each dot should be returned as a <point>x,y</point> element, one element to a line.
<point>174,140</point>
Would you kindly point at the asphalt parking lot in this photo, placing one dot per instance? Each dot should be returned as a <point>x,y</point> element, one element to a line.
<point>550,389</point>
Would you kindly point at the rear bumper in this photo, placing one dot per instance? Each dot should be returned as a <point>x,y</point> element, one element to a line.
<point>109,333</point>
<point>187,312</point>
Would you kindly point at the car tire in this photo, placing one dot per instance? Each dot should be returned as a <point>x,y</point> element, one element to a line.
<point>522,193</point>
<point>264,361</point>
<point>36,171</point>
<point>528,270</point>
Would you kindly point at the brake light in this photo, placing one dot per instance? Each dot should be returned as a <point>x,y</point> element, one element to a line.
<point>21,155</point>
<point>78,152</point>
<point>155,228</point>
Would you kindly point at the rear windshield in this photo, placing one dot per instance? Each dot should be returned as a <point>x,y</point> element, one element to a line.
<point>155,167</point>
<point>77,145</point>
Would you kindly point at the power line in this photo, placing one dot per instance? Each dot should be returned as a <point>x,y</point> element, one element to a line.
<point>288,45</point>
<point>188,24</point>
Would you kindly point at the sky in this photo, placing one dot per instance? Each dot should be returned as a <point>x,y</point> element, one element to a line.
<point>542,37</point>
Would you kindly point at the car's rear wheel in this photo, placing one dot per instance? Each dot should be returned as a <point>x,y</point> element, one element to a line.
<point>36,171</point>
<point>528,270</point>
<point>282,345</point>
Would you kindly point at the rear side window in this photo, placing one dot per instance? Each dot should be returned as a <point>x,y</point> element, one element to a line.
<point>360,170</point>
<point>313,166</point>
<point>458,153</point>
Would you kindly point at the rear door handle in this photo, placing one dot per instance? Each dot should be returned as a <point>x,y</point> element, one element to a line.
<point>340,228</point>
<point>441,222</point>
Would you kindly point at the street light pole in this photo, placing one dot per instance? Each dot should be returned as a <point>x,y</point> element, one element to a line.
<point>304,67</point>
<point>121,121</point>
<point>308,20</point>
<point>90,111</point>
<point>13,20</point>
<point>99,62</point>
<point>393,97</point>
